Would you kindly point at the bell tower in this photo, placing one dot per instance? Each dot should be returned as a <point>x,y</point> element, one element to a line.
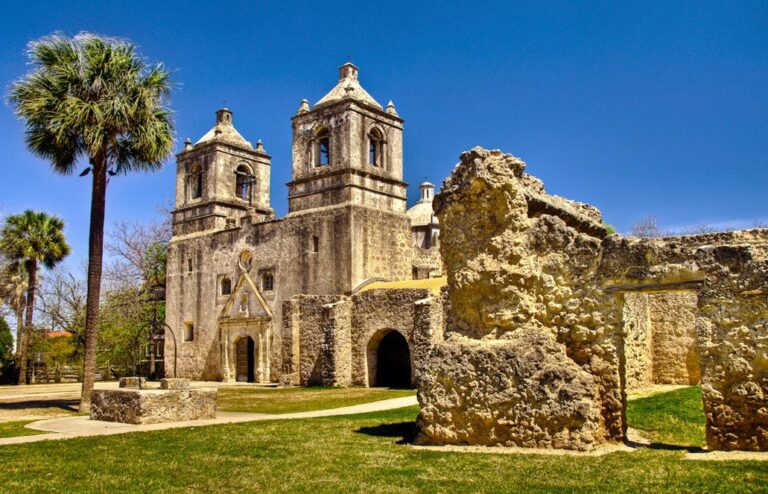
<point>221,179</point>
<point>348,149</point>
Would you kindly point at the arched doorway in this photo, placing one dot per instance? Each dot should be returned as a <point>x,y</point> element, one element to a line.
<point>244,360</point>
<point>393,361</point>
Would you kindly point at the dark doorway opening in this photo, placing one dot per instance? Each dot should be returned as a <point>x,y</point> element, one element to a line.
<point>245,360</point>
<point>393,362</point>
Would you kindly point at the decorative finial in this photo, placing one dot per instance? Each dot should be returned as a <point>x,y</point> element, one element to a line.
<point>224,116</point>
<point>348,71</point>
<point>187,144</point>
<point>260,146</point>
<point>303,107</point>
<point>391,108</point>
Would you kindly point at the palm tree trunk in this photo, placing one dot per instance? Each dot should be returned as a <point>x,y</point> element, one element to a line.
<point>19,338</point>
<point>24,349</point>
<point>95,254</point>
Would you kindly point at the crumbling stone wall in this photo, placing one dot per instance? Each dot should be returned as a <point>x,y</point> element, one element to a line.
<point>532,350</point>
<point>730,273</point>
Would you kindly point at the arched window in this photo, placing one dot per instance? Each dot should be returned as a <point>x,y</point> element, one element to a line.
<point>196,181</point>
<point>375,147</point>
<point>267,282</point>
<point>323,147</point>
<point>226,286</point>
<point>244,181</point>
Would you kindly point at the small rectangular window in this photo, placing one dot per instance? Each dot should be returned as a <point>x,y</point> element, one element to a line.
<point>226,286</point>
<point>267,282</point>
<point>315,244</point>
<point>325,152</point>
<point>189,265</point>
<point>372,158</point>
<point>189,331</point>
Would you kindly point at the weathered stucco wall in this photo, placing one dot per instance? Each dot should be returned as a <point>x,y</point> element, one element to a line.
<point>673,323</point>
<point>660,338</point>
<point>638,343</point>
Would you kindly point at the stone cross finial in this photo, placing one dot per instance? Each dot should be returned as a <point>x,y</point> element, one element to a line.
<point>348,71</point>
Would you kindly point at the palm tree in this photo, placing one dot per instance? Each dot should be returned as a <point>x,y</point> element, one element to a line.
<point>15,290</point>
<point>28,240</point>
<point>94,96</point>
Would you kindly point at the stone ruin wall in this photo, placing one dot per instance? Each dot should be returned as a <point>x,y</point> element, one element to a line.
<point>729,272</point>
<point>659,345</point>
<point>535,351</point>
<point>532,350</point>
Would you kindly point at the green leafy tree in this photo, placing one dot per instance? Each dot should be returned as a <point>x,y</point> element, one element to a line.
<point>93,96</point>
<point>57,351</point>
<point>7,367</point>
<point>30,239</point>
<point>6,341</point>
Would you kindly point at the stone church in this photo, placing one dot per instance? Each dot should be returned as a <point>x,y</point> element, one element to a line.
<point>232,264</point>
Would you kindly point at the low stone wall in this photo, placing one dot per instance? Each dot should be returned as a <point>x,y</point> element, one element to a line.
<point>177,403</point>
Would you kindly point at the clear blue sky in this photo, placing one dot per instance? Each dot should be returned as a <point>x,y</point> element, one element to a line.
<point>637,107</point>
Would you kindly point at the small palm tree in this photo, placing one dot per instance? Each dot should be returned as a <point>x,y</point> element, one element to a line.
<point>93,96</point>
<point>28,240</point>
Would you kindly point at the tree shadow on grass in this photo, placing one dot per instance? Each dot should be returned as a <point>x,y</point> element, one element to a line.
<point>405,431</point>
<point>66,405</point>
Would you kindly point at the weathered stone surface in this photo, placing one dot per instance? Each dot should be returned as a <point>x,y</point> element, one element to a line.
<point>519,391</point>
<point>346,225</point>
<point>730,273</point>
<point>132,382</point>
<point>660,333</point>
<point>152,406</point>
<point>334,340</point>
<point>521,268</point>
<point>174,383</point>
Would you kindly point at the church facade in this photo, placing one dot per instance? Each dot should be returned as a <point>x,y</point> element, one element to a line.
<point>233,266</point>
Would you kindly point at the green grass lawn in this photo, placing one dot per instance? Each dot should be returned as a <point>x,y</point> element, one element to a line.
<point>289,400</point>
<point>674,418</point>
<point>16,428</point>
<point>361,454</point>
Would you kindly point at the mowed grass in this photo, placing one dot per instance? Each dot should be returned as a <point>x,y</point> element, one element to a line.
<point>674,418</point>
<point>355,454</point>
<point>289,400</point>
<point>16,428</point>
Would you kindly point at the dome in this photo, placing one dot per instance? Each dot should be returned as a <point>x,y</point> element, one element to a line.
<point>348,87</point>
<point>421,214</point>
<point>224,131</point>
